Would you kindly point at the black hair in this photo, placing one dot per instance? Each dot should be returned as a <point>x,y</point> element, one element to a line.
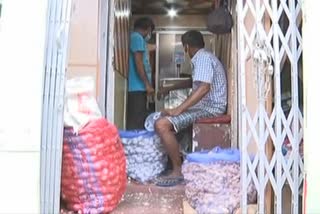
<point>143,23</point>
<point>193,38</point>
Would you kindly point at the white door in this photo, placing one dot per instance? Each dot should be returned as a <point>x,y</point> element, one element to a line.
<point>270,47</point>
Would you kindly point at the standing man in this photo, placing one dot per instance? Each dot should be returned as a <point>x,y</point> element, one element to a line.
<point>139,79</point>
<point>208,99</point>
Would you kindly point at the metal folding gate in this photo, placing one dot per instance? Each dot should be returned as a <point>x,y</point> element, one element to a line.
<point>57,35</point>
<point>270,44</point>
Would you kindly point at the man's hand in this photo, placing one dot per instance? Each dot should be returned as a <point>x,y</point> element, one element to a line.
<point>172,112</point>
<point>150,90</point>
<point>162,93</point>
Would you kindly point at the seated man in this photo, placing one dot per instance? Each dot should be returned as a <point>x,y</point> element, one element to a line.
<point>208,99</point>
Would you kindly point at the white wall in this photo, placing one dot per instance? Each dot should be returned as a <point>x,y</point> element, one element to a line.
<point>22,35</point>
<point>311,43</point>
<point>181,21</point>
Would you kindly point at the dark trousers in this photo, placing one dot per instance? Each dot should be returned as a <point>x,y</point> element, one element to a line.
<point>137,110</point>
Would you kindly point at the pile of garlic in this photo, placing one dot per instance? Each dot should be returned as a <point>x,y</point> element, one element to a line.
<point>146,157</point>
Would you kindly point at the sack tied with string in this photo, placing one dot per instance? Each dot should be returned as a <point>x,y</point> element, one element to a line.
<point>93,164</point>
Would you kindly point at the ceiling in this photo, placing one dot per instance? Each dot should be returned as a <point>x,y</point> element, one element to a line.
<point>186,7</point>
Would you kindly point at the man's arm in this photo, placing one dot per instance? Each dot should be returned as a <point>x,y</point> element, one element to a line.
<point>182,84</point>
<point>138,57</point>
<point>193,99</point>
<point>195,96</point>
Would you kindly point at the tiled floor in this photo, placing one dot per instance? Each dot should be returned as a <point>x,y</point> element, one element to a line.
<point>150,199</point>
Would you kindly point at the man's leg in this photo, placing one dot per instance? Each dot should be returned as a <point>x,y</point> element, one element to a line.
<point>136,110</point>
<point>165,130</point>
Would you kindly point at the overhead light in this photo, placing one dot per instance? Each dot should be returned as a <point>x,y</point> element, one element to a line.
<point>122,14</point>
<point>172,12</point>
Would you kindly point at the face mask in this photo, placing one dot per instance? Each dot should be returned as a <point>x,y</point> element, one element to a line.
<point>148,37</point>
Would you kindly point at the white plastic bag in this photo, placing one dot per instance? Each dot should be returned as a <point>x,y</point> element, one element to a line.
<point>80,103</point>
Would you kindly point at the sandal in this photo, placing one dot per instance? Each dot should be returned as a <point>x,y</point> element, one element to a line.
<point>169,181</point>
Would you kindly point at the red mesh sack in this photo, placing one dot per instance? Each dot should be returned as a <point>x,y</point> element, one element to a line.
<point>94,168</point>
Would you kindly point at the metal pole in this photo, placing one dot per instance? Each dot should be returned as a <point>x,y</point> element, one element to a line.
<point>261,144</point>
<point>48,105</point>
<point>44,145</point>
<point>278,123</point>
<point>157,71</point>
<point>59,105</point>
<point>242,107</point>
<point>295,106</point>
